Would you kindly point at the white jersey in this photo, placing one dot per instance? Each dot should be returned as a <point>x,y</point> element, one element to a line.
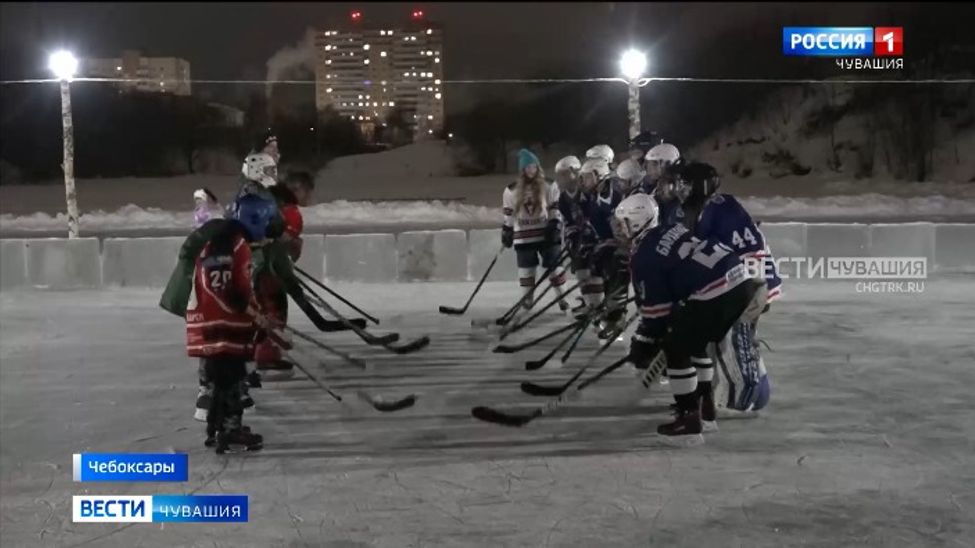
<point>529,223</point>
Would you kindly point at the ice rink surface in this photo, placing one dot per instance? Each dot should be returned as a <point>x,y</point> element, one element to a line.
<point>869,439</point>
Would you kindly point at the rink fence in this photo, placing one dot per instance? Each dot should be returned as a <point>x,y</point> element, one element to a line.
<point>441,255</point>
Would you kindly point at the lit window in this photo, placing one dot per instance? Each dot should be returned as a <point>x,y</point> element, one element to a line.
<point>375,104</point>
<point>328,76</point>
<point>382,54</point>
<point>360,103</point>
<point>384,90</point>
<point>366,62</point>
<point>360,97</point>
<point>430,131</point>
<point>413,38</point>
<point>383,83</point>
<point>406,74</point>
<point>437,81</point>
<point>328,61</point>
<point>328,47</point>
<point>360,117</point>
<point>382,33</point>
<point>329,90</point>
<point>436,59</point>
<point>430,53</point>
<point>367,118</point>
<point>118,68</point>
<point>406,38</point>
<point>437,96</point>
<point>429,116</point>
<point>389,32</point>
<point>423,88</point>
<point>414,74</point>
<point>366,47</point>
<point>391,104</point>
<point>429,31</point>
<point>367,97</point>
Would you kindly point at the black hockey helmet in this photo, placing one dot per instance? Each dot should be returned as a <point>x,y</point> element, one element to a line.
<point>700,180</point>
<point>644,141</point>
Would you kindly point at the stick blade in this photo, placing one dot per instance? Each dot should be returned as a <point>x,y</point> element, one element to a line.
<point>384,340</point>
<point>494,416</point>
<point>412,346</point>
<point>533,389</point>
<point>505,349</point>
<point>534,365</point>
<point>379,404</point>
<point>451,310</point>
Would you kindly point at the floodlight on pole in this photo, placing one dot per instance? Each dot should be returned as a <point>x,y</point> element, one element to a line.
<point>64,65</point>
<point>632,65</point>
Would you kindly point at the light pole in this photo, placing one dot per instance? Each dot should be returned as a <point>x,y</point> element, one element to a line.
<point>632,65</point>
<point>64,65</point>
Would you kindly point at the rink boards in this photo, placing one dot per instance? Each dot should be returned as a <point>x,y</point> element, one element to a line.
<point>442,255</point>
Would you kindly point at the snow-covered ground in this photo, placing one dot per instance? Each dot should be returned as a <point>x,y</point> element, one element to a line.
<point>868,440</point>
<point>956,204</point>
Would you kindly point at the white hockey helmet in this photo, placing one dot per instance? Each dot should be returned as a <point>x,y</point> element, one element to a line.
<point>603,152</point>
<point>261,168</point>
<point>664,152</point>
<point>659,157</point>
<point>593,171</point>
<point>636,215</point>
<point>630,171</point>
<point>569,163</point>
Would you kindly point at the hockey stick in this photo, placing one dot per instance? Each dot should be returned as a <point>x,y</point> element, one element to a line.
<point>336,295</point>
<point>513,311</point>
<point>541,390</point>
<point>532,365</point>
<point>487,414</point>
<point>521,325</point>
<point>369,338</point>
<point>377,402</point>
<point>458,311</point>
<point>385,341</point>
<point>351,359</point>
<point>572,347</point>
<point>511,349</point>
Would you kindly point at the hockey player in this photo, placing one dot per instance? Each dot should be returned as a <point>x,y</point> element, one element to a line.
<point>608,260</point>
<point>660,163</point>
<point>207,207</point>
<point>274,276</point>
<point>744,379</point>
<point>221,316</point>
<point>689,291</point>
<point>575,227</point>
<point>631,178</point>
<point>531,224</point>
<point>258,174</point>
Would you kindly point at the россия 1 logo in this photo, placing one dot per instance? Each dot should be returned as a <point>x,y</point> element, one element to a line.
<point>853,47</point>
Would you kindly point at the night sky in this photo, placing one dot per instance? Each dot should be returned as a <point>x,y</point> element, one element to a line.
<point>232,40</point>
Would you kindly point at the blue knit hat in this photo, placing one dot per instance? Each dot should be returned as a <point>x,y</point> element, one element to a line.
<point>526,158</point>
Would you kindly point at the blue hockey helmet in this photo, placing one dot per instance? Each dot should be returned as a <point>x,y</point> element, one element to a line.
<point>255,213</point>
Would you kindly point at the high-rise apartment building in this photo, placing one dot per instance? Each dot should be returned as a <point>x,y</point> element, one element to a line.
<point>152,74</point>
<point>366,73</point>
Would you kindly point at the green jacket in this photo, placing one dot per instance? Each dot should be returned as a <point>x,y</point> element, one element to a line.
<point>177,293</point>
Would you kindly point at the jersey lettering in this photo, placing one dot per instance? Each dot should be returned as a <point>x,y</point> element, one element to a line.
<point>697,249</point>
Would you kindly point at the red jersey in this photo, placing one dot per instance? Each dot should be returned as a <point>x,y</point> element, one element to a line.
<point>293,226</point>
<point>216,319</point>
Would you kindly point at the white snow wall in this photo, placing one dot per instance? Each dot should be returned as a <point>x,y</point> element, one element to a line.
<point>442,255</point>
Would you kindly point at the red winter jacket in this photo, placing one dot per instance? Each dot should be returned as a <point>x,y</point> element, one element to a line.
<point>217,322</point>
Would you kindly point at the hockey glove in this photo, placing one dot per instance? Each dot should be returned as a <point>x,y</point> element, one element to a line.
<point>552,230</point>
<point>507,236</point>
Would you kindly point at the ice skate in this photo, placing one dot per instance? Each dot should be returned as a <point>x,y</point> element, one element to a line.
<point>254,379</point>
<point>239,439</point>
<point>202,403</point>
<point>709,412</point>
<point>684,431</point>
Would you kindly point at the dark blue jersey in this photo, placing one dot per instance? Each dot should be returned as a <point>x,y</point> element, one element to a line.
<point>599,207</point>
<point>726,220</point>
<point>670,265</point>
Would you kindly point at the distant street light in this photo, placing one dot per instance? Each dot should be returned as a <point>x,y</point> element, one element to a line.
<point>632,64</point>
<point>64,65</point>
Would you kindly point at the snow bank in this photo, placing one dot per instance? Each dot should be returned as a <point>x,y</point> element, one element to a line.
<point>336,214</point>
